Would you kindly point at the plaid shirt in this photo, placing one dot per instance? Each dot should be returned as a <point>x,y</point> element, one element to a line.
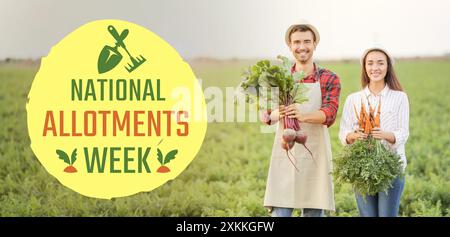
<point>331,88</point>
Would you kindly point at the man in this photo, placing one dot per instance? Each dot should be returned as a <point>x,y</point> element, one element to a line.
<point>311,187</point>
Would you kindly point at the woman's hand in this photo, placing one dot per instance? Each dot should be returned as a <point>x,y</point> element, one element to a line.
<point>377,133</point>
<point>351,137</point>
<point>292,111</point>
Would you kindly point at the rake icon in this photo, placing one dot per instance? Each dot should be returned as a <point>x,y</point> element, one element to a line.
<point>110,56</point>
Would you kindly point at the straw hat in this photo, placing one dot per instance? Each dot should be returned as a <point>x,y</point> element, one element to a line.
<point>302,23</point>
<point>377,48</point>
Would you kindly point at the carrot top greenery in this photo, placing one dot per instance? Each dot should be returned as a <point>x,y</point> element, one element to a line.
<point>368,166</point>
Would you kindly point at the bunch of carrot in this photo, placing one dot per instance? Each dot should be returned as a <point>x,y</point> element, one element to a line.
<point>368,165</point>
<point>368,121</point>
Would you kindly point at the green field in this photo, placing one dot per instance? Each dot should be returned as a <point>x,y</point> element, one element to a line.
<point>228,176</point>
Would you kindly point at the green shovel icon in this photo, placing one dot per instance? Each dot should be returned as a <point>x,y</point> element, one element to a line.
<point>110,56</point>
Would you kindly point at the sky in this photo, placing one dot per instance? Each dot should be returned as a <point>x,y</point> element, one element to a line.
<point>237,28</point>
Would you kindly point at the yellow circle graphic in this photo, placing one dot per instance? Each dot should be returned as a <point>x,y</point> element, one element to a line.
<point>114,110</point>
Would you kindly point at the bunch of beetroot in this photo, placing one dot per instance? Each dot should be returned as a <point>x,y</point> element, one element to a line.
<point>263,75</point>
<point>292,134</point>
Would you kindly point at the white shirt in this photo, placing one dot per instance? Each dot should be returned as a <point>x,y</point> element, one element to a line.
<point>394,116</point>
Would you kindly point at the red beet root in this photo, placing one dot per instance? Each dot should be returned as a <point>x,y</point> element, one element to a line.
<point>289,135</point>
<point>287,145</point>
<point>300,137</point>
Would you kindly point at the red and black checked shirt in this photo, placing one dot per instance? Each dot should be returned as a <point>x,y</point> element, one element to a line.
<point>331,88</point>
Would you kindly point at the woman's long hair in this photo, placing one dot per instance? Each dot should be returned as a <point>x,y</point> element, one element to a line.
<point>390,79</point>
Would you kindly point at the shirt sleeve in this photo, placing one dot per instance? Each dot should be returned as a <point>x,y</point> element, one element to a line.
<point>402,132</point>
<point>330,98</point>
<point>347,121</point>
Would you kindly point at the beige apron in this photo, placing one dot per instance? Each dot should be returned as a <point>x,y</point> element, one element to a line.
<point>312,185</point>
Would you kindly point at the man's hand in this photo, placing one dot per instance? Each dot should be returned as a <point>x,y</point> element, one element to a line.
<point>292,111</point>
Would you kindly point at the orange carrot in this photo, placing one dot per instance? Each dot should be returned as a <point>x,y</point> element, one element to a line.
<point>377,118</point>
<point>367,121</point>
<point>367,126</point>
<point>371,113</point>
<point>370,108</point>
<point>357,117</point>
<point>362,116</point>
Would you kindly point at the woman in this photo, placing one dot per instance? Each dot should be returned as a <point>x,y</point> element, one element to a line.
<point>380,86</point>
